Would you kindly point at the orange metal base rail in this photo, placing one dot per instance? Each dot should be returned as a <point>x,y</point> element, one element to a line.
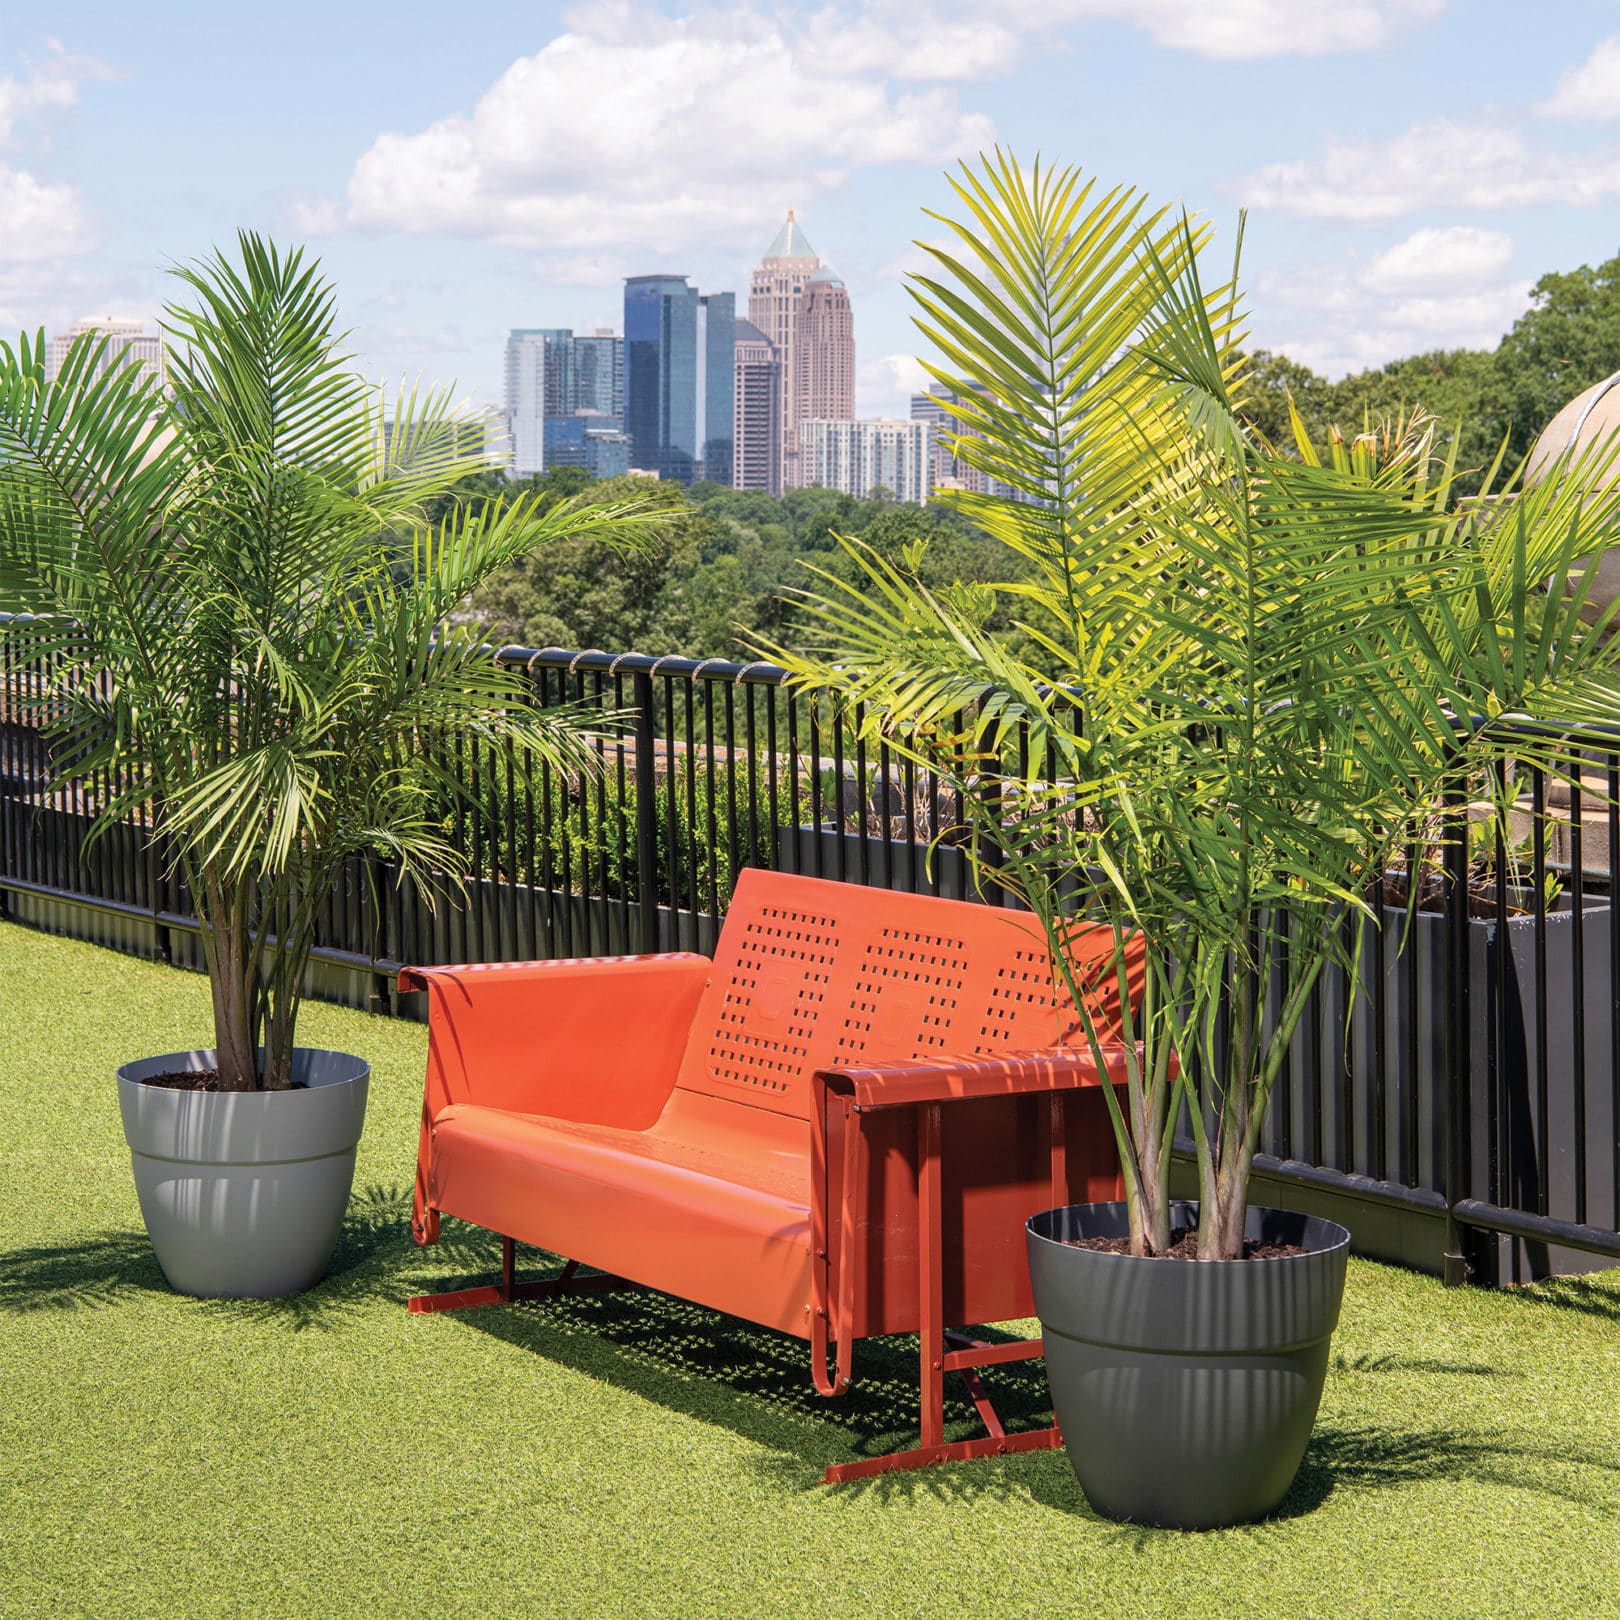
<point>970,1355</point>
<point>508,1289</point>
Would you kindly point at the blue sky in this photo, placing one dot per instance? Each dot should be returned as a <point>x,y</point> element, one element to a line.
<point>1410,166</point>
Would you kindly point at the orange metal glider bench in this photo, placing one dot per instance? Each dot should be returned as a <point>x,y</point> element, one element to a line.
<point>836,1128</point>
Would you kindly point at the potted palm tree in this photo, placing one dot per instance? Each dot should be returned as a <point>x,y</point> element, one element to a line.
<point>1249,672</point>
<point>243,625</point>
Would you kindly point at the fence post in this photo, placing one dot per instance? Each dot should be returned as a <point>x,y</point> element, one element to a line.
<point>646,813</point>
<point>1457,1066</point>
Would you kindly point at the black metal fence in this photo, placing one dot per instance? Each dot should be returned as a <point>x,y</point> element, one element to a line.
<point>1460,1107</point>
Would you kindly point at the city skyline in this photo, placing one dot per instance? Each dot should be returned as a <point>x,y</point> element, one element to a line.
<point>512,178</point>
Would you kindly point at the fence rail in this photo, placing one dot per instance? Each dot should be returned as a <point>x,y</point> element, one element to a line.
<point>1461,1105</point>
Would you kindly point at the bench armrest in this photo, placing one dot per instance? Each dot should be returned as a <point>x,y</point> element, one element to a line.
<point>595,1040</point>
<point>999,1074</point>
<point>841,1096</point>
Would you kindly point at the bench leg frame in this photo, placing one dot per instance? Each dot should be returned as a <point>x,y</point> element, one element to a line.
<point>965,1355</point>
<point>567,1281</point>
<point>968,1356</point>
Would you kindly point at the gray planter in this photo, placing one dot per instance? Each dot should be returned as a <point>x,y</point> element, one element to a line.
<point>243,1192</point>
<point>1186,1392</point>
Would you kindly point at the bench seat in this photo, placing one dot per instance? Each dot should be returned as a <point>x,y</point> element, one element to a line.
<point>711,1203</point>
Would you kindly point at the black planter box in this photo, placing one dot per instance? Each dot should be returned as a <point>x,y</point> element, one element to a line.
<point>1377,1107</point>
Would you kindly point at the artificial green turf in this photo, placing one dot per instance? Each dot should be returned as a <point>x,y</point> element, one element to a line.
<point>334,1455</point>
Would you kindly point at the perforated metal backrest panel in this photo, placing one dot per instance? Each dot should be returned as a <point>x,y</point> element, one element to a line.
<point>812,975</point>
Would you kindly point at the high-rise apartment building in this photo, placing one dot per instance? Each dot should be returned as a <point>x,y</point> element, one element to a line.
<point>128,344</point>
<point>780,292</point>
<point>679,350</point>
<point>539,378</point>
<point>716,385</point>
<point>758,412</point>
<point>857,458</point>
<point>551,374</point>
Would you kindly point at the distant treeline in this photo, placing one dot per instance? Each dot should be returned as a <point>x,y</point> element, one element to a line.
<point>1567,340</point>
<point>721,566</point>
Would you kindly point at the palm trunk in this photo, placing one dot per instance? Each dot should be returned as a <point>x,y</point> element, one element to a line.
<point>1224,1173</point>
<point>231,975</point>
<point>1150,1212</point>
<point>1225,1209</point>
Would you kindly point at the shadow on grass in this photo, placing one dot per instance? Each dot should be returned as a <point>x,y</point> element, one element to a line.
<point>93,1272</point>
<point>1349,1457</point>
<point>1573,1294</point>
<point>756,1383</point>
<point>753,1381</point>
<point>1388,1362</point>
<point>104,1268</point>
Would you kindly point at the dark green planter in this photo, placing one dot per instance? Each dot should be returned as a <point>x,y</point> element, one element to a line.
<point>1186,1392</point>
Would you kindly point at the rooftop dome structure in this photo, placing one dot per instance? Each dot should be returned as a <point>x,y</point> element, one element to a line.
<point>790,242</point>
<point>1589,419</point>
<point>828,274</point>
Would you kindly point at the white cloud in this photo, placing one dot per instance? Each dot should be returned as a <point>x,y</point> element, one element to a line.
<point>1591,92</point>
<point>898,40</point>
<point>1347,316</point>
<point>639,133</point>
<point>50,85</point>
<point>1441,259</point>
<point>1243,30</point>
<point>395,340</point>
<point>884,386</point>
<point>44,222</point>
<point>306,213</point>
<point>1438,164</point>
<point>53,294</point>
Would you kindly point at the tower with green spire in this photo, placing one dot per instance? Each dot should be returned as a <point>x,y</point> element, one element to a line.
<point>775,298</point>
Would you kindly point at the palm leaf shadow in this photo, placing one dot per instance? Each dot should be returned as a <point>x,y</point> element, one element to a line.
<point>372,1262</point>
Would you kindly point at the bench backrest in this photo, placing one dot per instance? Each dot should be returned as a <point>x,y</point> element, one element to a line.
<point>810,974</point>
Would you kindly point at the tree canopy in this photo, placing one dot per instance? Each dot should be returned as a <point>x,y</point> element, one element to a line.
<point>1568,339</point>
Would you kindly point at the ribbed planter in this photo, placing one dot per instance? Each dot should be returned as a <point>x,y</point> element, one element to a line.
<point>244,1192</point>
<point>1186,1391</point>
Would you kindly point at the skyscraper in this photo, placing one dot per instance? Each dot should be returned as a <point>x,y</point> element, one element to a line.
<point>550,375</point>
<point>758,412</point>
<point>716,388</point>
<point>825,340</point>
<point>777,306</point>
<point>678,378</point>
<point>599,373</point>
<point>539,383</point>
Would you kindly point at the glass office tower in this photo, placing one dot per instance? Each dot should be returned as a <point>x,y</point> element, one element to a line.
<point>679,378</point>
<point>661,375</point>
<point>599,374</point>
